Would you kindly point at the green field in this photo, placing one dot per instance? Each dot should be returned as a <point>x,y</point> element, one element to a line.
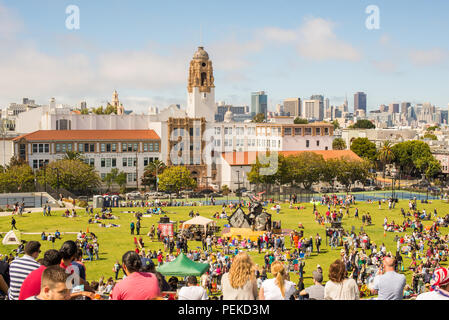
<point>116,241</point>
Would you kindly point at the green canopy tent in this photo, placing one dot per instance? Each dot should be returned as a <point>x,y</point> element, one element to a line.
<point>183,267</point>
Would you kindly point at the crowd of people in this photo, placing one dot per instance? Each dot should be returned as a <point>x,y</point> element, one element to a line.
<point>364,269</point>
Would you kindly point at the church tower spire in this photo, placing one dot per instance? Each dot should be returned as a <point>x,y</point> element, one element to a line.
<point>201,88</point>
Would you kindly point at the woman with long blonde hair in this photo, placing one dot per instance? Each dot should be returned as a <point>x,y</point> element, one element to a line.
<point>240,282</point>
<point>277,288</point>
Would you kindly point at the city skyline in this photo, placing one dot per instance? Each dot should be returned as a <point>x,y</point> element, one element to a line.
<point>326,49</point>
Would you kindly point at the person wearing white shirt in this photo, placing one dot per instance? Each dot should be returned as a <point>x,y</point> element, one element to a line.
<point>278,288</point>
<point>192,291</point>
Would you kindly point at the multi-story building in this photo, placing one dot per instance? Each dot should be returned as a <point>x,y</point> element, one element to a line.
<point>359,102</point>
<point>313,110</point>
<point>259,103</point>
<point>393,108</point>
<point>292,107</point>
<point>15,109</point>
<point>127,150</point>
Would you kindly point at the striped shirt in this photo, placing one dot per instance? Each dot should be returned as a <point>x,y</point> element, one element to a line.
<point>19,269</point>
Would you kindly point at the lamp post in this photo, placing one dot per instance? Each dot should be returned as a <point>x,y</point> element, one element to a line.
<point>239,192</point>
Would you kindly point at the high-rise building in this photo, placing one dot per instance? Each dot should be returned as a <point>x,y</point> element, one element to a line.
<point>259,103</point>
<point>313,110</point>
<point>292,107</point>
<point>359,102</point>
<point>393,108</point>
<point>201,88</point>
<point>317,97</point>
<point>405,106</point>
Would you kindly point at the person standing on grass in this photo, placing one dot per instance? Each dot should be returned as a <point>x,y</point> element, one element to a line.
<point>13,223</point>
<point>131,226</point>
<point>138,227</point>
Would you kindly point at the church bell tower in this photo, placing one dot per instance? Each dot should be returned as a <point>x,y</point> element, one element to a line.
<point>201,88</point>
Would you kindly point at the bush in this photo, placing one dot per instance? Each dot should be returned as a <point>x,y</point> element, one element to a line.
<point>82,204</point>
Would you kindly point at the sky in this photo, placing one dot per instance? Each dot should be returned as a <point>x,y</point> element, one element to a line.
<point>293,48</point>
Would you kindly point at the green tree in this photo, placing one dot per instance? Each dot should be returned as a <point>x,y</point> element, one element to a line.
<point>73,155</point>
<point>259,118</point>
<point>407,156</point>
<point>110,178</point>
<point>299,120</point>
<point>225,190</point>
<point>121,181</point>
<point>329,171</point>
<point>110,109</point>
<point>430,136</point>
<point>85,111</point>
<point>352,171</point>
<point>364,148</point>
<point>339,144</point>
<point>153,170</point>
<point>336,124</point>
<point>17,178</point>
<point>363,124</point>
<point>175,179</point>
<point>72,175</point>
<point>305,168</point>
<point>385,155</point>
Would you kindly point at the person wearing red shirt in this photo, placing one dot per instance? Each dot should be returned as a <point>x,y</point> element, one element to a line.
<point>137,285</point>
<point>32,284</point>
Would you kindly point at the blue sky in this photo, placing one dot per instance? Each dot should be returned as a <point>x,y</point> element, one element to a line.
<point>287,48</point>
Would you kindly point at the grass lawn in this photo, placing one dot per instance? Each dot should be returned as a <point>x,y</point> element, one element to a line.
<point>114,242</point>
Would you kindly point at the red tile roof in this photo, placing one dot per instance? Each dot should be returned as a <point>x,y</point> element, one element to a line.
<point>89,135</point>
<point>249,157</point>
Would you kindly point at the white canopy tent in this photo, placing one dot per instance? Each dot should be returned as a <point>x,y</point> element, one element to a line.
<point>10,239</point>
<point>198,221</point>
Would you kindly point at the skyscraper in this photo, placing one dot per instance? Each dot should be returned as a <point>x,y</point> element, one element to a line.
<point>405,106</point>
<point>393,108</point>
<point>292,106</point>
<point>313,110</point>
<point>259,103</point>
<point>359,102</point>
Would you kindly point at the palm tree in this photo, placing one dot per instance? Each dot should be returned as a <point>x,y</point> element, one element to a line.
<point>386,155</point>
<point>73,155</point>
<point>151,172</point>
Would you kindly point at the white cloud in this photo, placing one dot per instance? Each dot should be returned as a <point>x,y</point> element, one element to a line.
<point>319,42</point>
<point>385,66</point>
<point>428,57</point>
<point>10,24</point>
<point>315,39</point>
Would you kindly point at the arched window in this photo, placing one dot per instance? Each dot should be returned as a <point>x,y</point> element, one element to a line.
<point>203,78</point>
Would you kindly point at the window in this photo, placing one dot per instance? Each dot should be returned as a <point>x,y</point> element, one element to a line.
<point>130,162</point>
<point>326,148</point>
<point>145,147</point>
<point>47,148</point>
<point>114,162</point>
<point>307,143</point>
<point>103,162</point>
<point>41,148</point>
<point>217,130</point>
<point>91,147</point>
<point>58,147</point>
<point>308,131</point>
<point>145,161</point>
<point>125,162</point>
<point>191,132</point>
<point>108,147</point>
<point>326,131</point>
<point>287,131</point>
<point>318,131</point>
<point>92,162</point>
<point>35,165</point>
<point>103,147</point>
<point>318,143</point>
<point>124,147</point>
<point>108,162</point>
<point>34,148</point>
<point>69,147</point>
<point>63,147</point>
<point>103,175</point>
<point>80,147</point>
<point>150,147</point>
<point>135,148</point>
<point>114,147</point>
<point>298,131</point>
<point>156,147</point>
